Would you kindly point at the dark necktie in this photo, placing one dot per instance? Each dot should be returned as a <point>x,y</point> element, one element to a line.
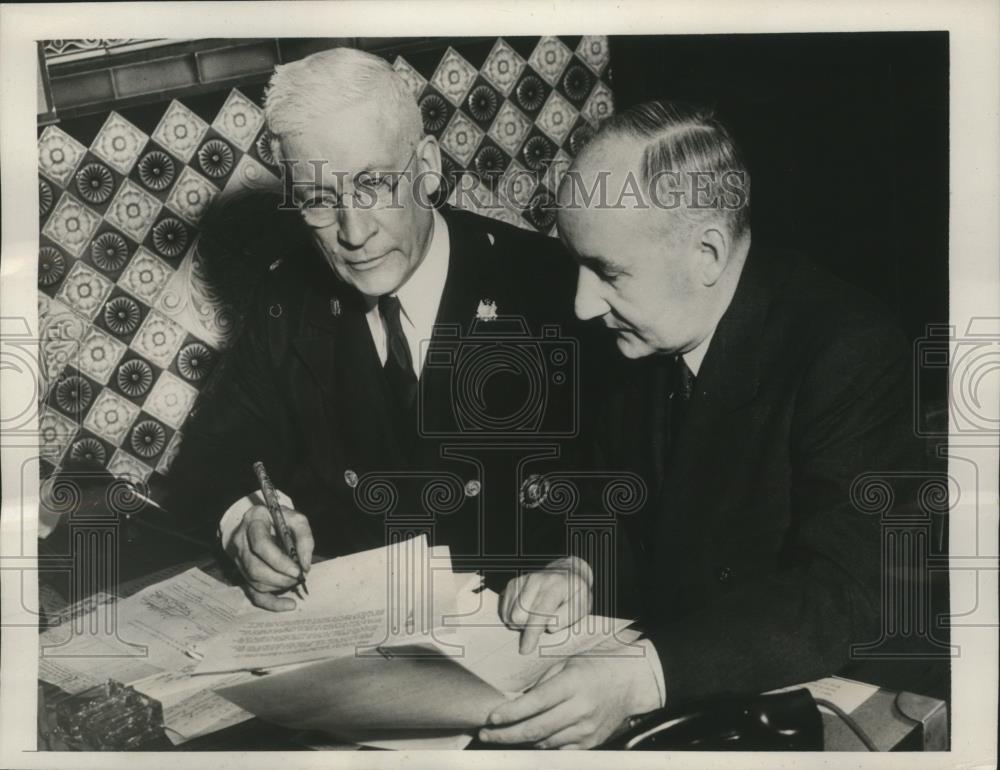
<point>398,363</point>
<point>680,395</point>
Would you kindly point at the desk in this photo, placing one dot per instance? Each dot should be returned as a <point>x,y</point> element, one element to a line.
<point>894,720</point>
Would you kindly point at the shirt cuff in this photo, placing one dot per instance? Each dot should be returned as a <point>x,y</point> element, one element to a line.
<point>234,514</point>
<point>653,660</point>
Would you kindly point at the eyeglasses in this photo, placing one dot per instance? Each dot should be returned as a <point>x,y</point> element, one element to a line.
<point>374,190</point>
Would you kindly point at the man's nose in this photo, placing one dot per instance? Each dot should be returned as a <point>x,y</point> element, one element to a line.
<point>588,303</point>
<point>355,227</point>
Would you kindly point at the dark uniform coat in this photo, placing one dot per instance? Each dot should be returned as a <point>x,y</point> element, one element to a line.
<point>304,391</point>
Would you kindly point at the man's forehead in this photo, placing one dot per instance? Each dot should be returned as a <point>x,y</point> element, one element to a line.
<point>353,141</point>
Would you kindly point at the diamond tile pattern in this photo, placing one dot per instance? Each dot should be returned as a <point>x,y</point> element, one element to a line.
<point>119,143</point>
<point>454,76</point>
<point>129,334</point>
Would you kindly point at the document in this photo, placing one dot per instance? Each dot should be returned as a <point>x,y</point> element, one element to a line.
<point>416,686</point>
<point>148,633</point>
<point>844,693</point>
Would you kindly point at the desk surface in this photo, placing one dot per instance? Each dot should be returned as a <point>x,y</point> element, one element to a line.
<point>146,554</point>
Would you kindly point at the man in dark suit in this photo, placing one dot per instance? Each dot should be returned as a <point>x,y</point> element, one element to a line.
<point>756,390</point>
<point>369,432</point>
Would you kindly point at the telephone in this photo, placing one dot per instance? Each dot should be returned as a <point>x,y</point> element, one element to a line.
<point>787,721</point>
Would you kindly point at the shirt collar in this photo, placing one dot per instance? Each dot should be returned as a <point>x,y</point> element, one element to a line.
<point>420,296</point>
<point>693,358</point>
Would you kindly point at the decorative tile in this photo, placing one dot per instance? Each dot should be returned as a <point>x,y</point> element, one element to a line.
<point>194,361</point>
<point>266,148</point>
<point>99,355</point>
<point>119,143</point>
<point>180,130</point>
<point>216,158</point>
<point>549,58</point>
<point>510,128</point>
<point>557,117</point>
<point>191,195</point>
<point>577,82</point>
<point>171,400</point>
<point>593,49</point>
<point>45,197</point>
<point>490,162</point>
<point>251,175</point>
<point>503,66</point>
<point>84,290</point>
<point>109,251</point>
<point>121,316</point>
<point>413,79</point>
<point>538,152</point>
<point>190,301</point>
<point>147,439</point>
<point>111,416</point>
<point>73,394</point>
<point>51,266</point>
<point>557,170</point>
<point>55,432</point>
<point>124,466</point>
<point>239,120</point>
<point>600,105</point>
<point>89,451</point>
<point>453,76</point>
<point>58,155</point>
<point>134,378</point>
<point>145,276</point>
<point>61,334</point>
<point>461,138</point>
<point>167,458</point>
<point>435,112</point>
<point>482,103</point>
<point>156,170</point>
<point>580,136</point>
<point>71,225</point>
<point>516,186</point>
<point>158,339</point>
<point>531,92</point>
<point>95,183</point>
<point>133,211</point>
<point>170,237</point>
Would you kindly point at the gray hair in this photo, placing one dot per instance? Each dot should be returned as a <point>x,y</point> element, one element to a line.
<point>310,91</point>
<point>685,140</point>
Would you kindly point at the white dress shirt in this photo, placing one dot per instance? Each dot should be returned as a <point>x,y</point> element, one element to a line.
<point>419,299</point>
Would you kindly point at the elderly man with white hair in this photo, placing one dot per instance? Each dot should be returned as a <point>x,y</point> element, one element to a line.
<point>345,380</point>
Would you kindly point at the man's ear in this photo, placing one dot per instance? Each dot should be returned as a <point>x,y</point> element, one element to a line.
<point>713,254</point>
<point>429,166</point>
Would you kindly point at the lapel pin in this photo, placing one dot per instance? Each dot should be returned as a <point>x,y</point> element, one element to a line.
<point>487,310</point>
<point>335,309</point>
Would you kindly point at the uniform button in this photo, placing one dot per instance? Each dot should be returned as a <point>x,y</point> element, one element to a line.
<point>351,478</point>
<point>274,265</point>
<point>725,574</point>
<point>472,488</point>
<point>275,310</point>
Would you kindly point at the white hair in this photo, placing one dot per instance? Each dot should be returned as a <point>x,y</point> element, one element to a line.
<point>312,90</point>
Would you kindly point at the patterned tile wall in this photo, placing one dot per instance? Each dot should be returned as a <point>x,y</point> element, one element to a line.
<point>131,330</point>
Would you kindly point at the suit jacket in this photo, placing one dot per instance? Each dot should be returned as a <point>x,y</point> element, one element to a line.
<point>754,569</point>
<point>303,390</point>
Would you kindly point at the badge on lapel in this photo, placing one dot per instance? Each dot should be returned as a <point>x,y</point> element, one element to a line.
<point>487,310</point>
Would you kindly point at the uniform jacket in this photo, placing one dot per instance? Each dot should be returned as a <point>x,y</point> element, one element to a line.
<point>302,389</point>
<point>753,568</point>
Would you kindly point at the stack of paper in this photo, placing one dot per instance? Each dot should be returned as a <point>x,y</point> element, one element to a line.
<point>389,648</point>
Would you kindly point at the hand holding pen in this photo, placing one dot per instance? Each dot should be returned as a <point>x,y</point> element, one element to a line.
<point>258,550</point>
